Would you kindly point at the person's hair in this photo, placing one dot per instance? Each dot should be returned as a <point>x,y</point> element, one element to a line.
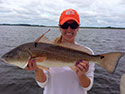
<point>58,39</point>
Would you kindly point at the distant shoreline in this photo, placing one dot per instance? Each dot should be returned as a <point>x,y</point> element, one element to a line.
<point>109,27</point>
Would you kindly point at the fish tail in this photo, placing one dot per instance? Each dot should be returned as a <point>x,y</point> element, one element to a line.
<point>110,61</point>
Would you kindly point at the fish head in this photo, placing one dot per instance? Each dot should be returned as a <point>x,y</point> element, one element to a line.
<point>18,57</point>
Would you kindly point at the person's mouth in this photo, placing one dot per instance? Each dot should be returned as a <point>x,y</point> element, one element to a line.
<point>69,33</point>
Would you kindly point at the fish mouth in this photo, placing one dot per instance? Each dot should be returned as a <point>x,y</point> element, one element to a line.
<point>1,58</point>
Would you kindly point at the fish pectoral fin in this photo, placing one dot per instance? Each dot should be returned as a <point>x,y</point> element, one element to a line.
<point>40,59</point>
<point>42,67</point>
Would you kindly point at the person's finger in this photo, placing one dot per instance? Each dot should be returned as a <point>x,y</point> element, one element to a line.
<point>27,67</point>
<point>34,64</point>
<point>30,64</point>
<point>77,70</point>
<point>84,65</point>
<point>80,67</point>
<point>78,62</point>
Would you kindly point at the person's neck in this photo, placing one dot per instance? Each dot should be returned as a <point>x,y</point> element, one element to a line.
<point>69,41</point>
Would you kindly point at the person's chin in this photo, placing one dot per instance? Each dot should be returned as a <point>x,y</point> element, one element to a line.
<point>69,37</point>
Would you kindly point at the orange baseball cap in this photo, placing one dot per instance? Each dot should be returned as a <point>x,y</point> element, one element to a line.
<point>69,14</point>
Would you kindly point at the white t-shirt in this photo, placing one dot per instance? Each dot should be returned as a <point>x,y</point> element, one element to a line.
<point>63,80</point>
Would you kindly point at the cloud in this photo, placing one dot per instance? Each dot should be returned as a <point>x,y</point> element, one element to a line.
<point>104,13</point>
<point>47,12</point>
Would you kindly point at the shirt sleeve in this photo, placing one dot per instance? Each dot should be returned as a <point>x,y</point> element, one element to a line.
<point>90,75</point>
<point>42,85</point>
<point>90,72</point>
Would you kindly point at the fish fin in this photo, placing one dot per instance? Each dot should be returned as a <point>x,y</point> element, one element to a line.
<point>39,38</point>
<point>110,61</point>
<point>45,40</point>
<point>75,47</point>
<point>40,59</point>
<point>122,84</point>
<point>42,67</point>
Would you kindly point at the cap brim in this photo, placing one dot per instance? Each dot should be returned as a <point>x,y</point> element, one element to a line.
<point>67,19</point>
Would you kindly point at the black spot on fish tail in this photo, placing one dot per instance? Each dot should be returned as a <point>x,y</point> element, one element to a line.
<point>35,44</point>
<point>101,57</point>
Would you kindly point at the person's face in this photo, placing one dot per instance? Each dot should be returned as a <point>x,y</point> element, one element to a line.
<point>69,33</point>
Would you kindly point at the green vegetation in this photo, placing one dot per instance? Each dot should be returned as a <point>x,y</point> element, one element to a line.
<point>108,27</point>
<point>23,25</point>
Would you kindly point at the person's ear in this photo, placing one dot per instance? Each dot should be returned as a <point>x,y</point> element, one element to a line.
<point>78,28</point>
<point>59,27</point>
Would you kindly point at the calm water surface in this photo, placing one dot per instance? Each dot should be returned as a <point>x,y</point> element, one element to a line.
<point>14,80</point>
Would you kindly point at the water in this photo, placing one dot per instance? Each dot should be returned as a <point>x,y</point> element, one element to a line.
<point>14,80</point>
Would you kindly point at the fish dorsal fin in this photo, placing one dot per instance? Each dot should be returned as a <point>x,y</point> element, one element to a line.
<point>45,40</point>
<point>38,39</point>
<point>75,47</point>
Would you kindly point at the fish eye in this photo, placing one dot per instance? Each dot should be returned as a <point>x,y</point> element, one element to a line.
<point>101,57</point>
<point>6,56</point>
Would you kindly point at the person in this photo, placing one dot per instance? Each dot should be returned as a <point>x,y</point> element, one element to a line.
<point>77,79</point>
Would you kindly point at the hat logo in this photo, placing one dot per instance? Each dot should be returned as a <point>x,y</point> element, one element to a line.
<point>70,12</point>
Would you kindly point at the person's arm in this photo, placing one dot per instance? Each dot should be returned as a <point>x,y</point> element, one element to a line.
<point>86,76</point>
<point>81,70</point>
<point>39,74</point>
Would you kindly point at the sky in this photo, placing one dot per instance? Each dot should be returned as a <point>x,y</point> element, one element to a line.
<point>93,13</point>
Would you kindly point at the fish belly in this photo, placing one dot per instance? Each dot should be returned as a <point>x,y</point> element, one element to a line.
<point>49,63</point>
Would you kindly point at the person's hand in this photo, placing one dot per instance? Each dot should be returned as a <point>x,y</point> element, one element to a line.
<point>39,74</point>
<point>31,65</point>
<point>81,67</point>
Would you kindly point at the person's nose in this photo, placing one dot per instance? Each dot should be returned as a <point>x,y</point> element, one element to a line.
<point>69,28</point>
